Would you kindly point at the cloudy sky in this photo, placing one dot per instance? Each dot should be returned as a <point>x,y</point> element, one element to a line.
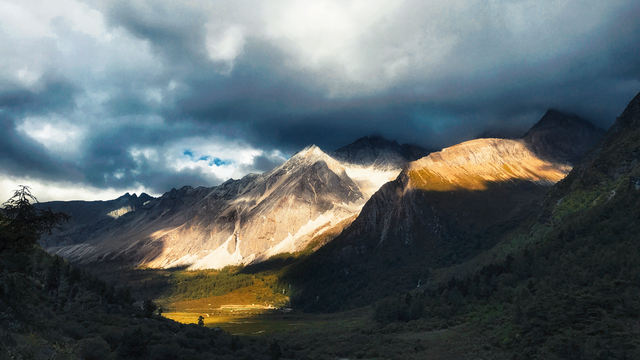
<point>99,98</point>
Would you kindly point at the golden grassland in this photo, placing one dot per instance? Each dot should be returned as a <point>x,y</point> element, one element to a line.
<point>251,322</point>
<point>256,294</point>
<point>241,313</point>
<point>245,310</point>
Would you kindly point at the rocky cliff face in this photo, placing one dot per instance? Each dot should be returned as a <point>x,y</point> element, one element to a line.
<point>240,221</point>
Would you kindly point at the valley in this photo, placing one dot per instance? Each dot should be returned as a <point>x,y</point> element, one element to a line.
<point>492,248</point>
<point>319,180</point>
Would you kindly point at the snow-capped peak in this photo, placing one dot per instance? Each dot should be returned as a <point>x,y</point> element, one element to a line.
<point>313,154</point>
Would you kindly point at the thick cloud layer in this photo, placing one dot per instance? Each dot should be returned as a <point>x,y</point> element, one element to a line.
<point>103,97</point>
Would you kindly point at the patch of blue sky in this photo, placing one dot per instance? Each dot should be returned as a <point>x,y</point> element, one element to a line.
<point>220,162</point>
<point>213,161</point>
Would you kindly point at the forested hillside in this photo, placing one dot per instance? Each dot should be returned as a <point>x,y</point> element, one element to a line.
<point>566,284</point>
<point>52,310</point>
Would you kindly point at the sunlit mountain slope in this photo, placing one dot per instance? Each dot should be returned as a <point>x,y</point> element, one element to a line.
<point>238,222</point>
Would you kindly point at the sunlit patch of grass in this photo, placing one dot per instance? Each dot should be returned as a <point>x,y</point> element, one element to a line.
<point>252,322</point>
<point>260,293</point>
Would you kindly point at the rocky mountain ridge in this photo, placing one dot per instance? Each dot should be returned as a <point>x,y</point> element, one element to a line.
<point>472,164</point>
<point>238,222</point>
<point>314,193</point>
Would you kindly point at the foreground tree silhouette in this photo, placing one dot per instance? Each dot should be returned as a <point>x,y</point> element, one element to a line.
<point>21,223</point>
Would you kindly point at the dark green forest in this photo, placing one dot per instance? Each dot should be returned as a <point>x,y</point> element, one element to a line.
<point>50,309</point>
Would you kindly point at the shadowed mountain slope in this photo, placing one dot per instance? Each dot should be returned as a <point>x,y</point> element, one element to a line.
<point>441,210</point>
<point>614,159</point>
<point>584,279</point>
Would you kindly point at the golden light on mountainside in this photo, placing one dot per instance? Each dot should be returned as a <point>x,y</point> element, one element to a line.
<point>474,164</point>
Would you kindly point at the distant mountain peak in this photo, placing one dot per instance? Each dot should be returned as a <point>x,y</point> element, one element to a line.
<point>311,150</point>
<point>375,140</point>
<point>310,155</point>
<point>562,137</point>
<point>378,151</point>
<point>557,118</point>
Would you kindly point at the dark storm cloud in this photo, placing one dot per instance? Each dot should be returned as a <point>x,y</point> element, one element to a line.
<point>174,31</point>
<point>56,95</point>
<point>127,103</point>
<point>22,156</point>
<point>264,163</point>
<point>108,160</point>
<point>240,81</point>
<point>285,108</point>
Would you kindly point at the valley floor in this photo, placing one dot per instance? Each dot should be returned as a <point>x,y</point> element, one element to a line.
<point>351,335</point>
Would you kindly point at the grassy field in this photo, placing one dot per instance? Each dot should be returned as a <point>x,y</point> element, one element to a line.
<point>354,335</point>
<point>251,322</point>
<point>249,310</point>
<point>259,294</point>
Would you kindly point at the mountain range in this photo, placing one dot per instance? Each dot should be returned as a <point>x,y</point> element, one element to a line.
<point>378,191</point>
<point>521,248</point>
<point>240,221</point>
